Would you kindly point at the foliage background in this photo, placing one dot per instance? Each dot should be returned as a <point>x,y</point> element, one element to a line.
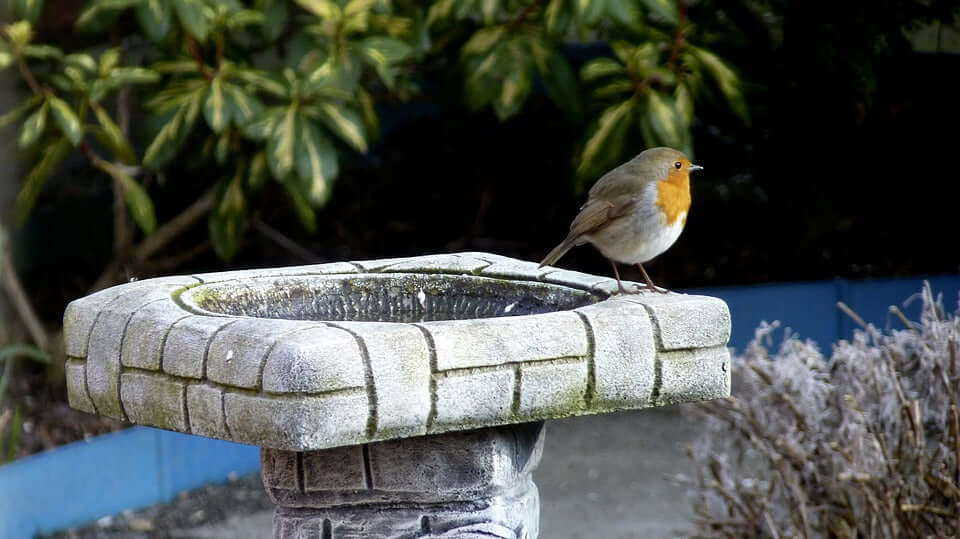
<point>381,128</point>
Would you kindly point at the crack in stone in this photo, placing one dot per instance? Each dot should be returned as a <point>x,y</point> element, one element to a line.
<point>591,359</point>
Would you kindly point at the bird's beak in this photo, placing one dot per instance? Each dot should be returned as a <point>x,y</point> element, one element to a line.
<point>694,168</point>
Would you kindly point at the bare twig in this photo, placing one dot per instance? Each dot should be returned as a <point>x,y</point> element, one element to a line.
<point>283,241</point>
<point>18,297</point>
<point>894,310</point>
<point>853,316</point>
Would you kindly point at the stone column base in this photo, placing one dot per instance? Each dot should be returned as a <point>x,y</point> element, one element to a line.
<point>467,485</point>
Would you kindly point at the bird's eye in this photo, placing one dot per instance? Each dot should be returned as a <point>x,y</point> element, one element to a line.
<point>677,165</point>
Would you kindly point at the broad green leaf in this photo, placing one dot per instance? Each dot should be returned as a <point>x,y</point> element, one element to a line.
<point>221,150</point>
<point>346,123</point>
<point>113,137</point>
<point>81,61</point>
<point>136,197</point>
<point>623,50</point>
<point>6,59</point>
<point>244,107</point>
<point>726,80</point>
<point>370,119</point>
<point>244,18</point>
<point>440,10</point>
<point>14,113</point>
<point>42,52</point>
<point>336,77</point>
<point>600,67</point>
<point>561,84</point>
<point>226,233</point>
<point>109,60</point>
<point>483,40</point>
<point>327,9</point>
<point>301,206</point>
<point>263,125</point>
<point>132,75</point>
<point>275,17</point>
<point>20,33</point>
<point>228,222</point>
<point>488,9</point>
<point>663,120</point>
<point>385,52</point>
<point>683,102</point>
<point>28,9</point>
<point>513,93</point>
<point>264,81</point>
<point>51,156</point>
<point>605,137</point>
<point>627,14</point>
<point>590,11</point>
<point>280,146</point>
<point>193,17</point>
<point>177,67</point>
<point>558,15</point>
<point>257,172</point>
<point>33,127</point>
<point>99,14</point>
<point>616,87</point>
<point>666,9</point>
<point>215,107</point>
<point>155,18</point>
<point>66,119</point>
<point>316,162</point>
<point>171,136</point>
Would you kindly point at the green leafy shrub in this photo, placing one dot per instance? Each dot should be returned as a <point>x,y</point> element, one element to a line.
<point>865,443</point>
<point>283,90</point>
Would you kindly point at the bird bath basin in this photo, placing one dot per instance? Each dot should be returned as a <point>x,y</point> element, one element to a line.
<point>391,398</point>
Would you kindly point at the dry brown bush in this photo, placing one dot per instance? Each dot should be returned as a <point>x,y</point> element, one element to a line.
<point>865,443</point>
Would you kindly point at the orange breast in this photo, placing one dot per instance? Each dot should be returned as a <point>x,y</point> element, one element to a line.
<point>673,195</point>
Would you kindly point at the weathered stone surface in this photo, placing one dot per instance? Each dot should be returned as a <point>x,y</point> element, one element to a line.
<point>77,387</point>
<point>463,344</point>
<point>154,400</point>
<point>238,352</point>
<point>185,349</point>
<point>106,337</point>
<point>549,389</point>
<point>694,375</point>
<point>205,408</point>
<point>329,355</point>
<point>684,321</point>
<point>146,332</point>
<point>452,481</point>
<point>400,371</point>
<point>81,313</point>
<point>472,400</point>
<point>623,357</point>
<point>297,423</point>
<point>314,360</point>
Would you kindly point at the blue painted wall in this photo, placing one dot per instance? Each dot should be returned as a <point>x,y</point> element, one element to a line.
<point>809,309</point>
<point>81,482</point>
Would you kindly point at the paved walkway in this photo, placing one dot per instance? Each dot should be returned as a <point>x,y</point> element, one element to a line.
<point>601,476</point>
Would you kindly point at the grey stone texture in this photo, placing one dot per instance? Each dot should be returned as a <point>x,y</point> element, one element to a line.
<point>315,357</point>
<point>474,483</point>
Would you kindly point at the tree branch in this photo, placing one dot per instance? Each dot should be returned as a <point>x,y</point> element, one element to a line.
<point>19,299</point>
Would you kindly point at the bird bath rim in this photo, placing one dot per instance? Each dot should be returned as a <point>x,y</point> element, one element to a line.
<point>403,297</point>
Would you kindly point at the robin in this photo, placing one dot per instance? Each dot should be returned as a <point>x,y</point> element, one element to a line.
<point>634,212</point>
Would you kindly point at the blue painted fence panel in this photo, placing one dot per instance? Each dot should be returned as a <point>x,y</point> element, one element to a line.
<point>809,309</point>
<point>83,481</point>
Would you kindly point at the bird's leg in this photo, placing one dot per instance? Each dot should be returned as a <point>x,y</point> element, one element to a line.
<point>616,274</point>
<point>650,284</point>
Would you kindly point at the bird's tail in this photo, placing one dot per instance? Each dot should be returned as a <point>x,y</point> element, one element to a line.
<point>558,252</point>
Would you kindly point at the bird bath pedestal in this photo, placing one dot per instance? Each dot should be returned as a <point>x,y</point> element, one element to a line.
<point>391,398</point>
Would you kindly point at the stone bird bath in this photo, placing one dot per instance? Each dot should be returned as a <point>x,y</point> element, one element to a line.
<point>391,398</point>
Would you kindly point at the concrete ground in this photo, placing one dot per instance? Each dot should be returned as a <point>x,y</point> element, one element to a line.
<point>601,476</point>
